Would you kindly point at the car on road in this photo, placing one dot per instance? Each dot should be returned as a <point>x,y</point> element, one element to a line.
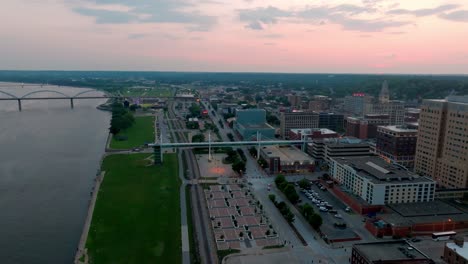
<point>338,216</point>
<point>347,209</point>
<point>323,209</point>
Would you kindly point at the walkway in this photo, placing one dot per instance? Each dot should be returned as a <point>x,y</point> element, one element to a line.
<point>84,235</point>
<point>183,215</point>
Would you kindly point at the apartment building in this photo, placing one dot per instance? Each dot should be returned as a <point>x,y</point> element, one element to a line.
<point>442,145</point>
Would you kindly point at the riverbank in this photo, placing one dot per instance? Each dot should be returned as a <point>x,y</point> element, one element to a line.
<point>136,218</point>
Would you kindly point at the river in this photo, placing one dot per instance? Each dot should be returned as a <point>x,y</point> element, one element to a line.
<point>49,156</point>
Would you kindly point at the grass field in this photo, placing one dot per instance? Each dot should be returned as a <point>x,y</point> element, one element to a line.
<point>142,131</point>
<point>136,92</point>
<point>137,214</point>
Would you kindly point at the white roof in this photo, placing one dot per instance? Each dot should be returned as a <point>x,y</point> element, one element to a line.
<point>462,251</point>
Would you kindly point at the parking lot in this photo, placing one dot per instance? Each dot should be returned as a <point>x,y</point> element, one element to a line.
<point>333,213</point>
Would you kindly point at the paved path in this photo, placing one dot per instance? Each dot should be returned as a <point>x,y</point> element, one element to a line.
<point>84,235</point>
<point>183,215</point>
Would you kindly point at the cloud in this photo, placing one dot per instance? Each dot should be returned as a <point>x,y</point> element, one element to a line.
<point>258,17</point>
<point>423,11</point>
<point>269,44</point>
<point>353,9</point>
<point>107,16</point>
<point>255,25</point>
<point>459,16</point>
<point>161,11</point>
<point>344,15</point>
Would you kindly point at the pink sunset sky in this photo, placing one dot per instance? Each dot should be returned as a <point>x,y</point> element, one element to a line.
<point>347,36</point>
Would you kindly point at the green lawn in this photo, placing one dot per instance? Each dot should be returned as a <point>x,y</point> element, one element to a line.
<point>137,214</point>
<point>140,132</point>
<point>158,92</point>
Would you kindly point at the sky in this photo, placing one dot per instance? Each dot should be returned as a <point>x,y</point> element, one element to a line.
<point>306,36</point>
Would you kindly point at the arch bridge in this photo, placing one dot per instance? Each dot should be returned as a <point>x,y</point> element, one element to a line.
<point>59,96</point>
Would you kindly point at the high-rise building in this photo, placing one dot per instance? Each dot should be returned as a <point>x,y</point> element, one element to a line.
<point>323,150</point>
<point>361,104</point>
<point>331,121</point>
<point>297,119</point>
<point>397,144</point>
<point>442,146</point>
<point>356,104</point>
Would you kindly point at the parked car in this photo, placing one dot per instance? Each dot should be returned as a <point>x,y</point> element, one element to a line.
<point>333,211</point>
<point>323,209</point>
<point>338,216</point>
<point>347,209</point>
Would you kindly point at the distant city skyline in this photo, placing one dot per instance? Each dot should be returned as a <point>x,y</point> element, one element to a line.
<point>352,36</point>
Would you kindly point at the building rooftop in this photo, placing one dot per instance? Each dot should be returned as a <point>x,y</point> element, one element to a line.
<point>407,214</point>
<point>309,131</point>
<point>399,129</point>
<point>378,171</point>
<point>392,250</point>
<point>287,154</point>
<point>462,251</point>
<point>344,141</point>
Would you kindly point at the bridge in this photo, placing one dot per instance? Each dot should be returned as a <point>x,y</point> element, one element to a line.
<point>61,96</point>
<point>158,147</point>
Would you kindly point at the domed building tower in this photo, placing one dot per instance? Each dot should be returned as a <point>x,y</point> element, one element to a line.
<point>384,96</point>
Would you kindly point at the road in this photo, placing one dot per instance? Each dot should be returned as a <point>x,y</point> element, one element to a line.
<point>205,239</point>
<point>316,248</point>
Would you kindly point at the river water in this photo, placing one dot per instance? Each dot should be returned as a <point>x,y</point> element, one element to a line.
<point>49,156</point>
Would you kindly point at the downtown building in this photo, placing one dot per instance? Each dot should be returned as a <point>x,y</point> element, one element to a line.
<point>297,120</point>
<point>365,127</point>
<point>249,122</point>
<point>397,144</point>
<point>442,146</point>
<point>379,183</point>
<point>325,149</point>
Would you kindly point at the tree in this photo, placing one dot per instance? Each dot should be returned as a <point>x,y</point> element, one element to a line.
<point>272,197</point>
<point>304,184</point>
<point>291,193</point>
<point>238,166</point>
<point>198,138</point>
<point>315,220</point>
<point>279,179</point>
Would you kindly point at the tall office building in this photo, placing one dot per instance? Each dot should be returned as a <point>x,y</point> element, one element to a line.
<point>356,104</point>
<point>297,119</point>
<point>442,146</point>
<point>397,144</point>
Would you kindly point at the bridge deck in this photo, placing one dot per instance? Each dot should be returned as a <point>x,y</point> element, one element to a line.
<point>227,144</point>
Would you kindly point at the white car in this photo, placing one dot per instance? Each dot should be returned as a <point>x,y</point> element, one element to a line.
<point>338,216</point>
<point>323,209</point>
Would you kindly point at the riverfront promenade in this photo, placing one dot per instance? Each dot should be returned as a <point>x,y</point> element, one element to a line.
<point>84,235</point>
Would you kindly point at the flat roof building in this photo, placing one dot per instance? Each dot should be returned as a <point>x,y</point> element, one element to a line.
<point>378,182</point>
<point>249,122</point>
<point>397,144</point>
<point>312,133</point>
<point>286,159</point>
<point>456,252</point>
<point>297,120</point>
<point>388,252</point>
